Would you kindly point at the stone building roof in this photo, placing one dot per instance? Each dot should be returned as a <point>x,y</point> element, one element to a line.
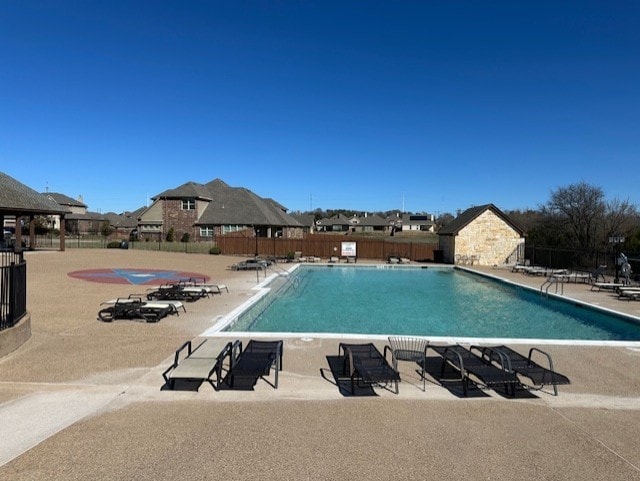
<point>469,215</point>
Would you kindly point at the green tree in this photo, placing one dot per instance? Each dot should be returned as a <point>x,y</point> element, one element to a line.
<point>105,229</point>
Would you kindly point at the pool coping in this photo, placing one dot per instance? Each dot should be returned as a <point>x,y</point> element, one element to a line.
<point>262,289</point>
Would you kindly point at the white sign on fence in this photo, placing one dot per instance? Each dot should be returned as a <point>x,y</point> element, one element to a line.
<point>348,249</point>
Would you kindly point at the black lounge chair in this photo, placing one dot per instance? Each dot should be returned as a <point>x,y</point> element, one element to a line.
<point>198,364</point>
<point>255,360</point>
<point>525,366</point>
<point>136,308</point>
<point>211,288</point>
<point>176,306</point>
<point>481,366</point>
<point>177,292</point>
<point>364,363</point>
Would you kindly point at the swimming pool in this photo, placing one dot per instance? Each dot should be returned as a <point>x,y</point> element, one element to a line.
<point>437,302</point>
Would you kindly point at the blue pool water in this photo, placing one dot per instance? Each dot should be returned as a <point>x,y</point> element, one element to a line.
<point>426,302</point>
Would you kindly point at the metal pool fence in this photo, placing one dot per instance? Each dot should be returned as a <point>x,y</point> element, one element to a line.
<point>13,288</point>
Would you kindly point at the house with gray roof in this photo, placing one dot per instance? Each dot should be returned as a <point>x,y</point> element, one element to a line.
<point>335,223</point>
<point>80,220</point>
<point>370,223</point>
<point>308,222</point>
<point>481,235</point>
<point>75,206</point>
<point>204,211</point>
<point>357,223</point>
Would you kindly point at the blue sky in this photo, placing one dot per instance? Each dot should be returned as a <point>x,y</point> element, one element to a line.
<point>430,105</point>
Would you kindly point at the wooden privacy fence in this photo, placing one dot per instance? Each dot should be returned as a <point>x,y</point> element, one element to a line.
<point>325,246</point>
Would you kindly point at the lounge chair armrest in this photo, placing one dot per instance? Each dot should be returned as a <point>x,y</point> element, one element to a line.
<point>388,348</point>
<point>455,358</point>
<point>348,359</point>
<point>166,372</point>
<point>490,355</point>
<point>234,353</point>
<point>545,354</point>
<point>187,346</point>
<point>226,351</point>
<point>176,359</point>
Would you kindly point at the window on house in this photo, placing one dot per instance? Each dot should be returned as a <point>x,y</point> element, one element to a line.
<point>206,231</point>
<point>188,204</point>
<point>150,227</point>
<point>232,228</point>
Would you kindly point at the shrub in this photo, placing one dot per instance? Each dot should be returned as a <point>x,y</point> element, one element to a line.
<point>185,237</point>
<point>215,250</point>
<point>170,235</point>
<point>113,245</point>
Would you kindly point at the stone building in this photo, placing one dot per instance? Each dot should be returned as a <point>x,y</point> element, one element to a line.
<point>482,235</point>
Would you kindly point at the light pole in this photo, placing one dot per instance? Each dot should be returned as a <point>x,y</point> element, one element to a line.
<point>255,234</point>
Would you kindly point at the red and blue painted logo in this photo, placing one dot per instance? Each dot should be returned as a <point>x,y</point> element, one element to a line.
<point>136,276</point>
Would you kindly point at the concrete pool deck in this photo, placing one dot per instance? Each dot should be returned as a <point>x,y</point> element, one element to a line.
<point>83,399</point>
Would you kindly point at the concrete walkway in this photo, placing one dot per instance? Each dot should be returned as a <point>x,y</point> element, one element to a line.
<point>84,400</point>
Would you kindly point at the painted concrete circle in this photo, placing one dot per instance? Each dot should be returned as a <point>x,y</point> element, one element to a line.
<point>149,277</point>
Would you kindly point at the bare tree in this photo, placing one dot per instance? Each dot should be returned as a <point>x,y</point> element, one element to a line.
<point>582,215</point>
<point>621,219</point>
<point>579,208</point>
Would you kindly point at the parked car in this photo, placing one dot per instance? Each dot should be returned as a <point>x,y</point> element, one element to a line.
<point>251,264</point>
<point>8,239</point>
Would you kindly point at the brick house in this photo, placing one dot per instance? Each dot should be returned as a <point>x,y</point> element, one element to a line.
<point>204,211</point>
<point>482,235</point>
<point>80,220</point>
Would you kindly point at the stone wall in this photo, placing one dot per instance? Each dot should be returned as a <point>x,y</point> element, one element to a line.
<point>487,240</point>
<point>447,244</point>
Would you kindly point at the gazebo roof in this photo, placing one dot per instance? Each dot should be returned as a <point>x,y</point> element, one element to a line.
<point>18,199</point>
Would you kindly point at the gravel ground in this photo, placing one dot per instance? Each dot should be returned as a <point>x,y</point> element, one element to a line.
<point>82,399</point>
